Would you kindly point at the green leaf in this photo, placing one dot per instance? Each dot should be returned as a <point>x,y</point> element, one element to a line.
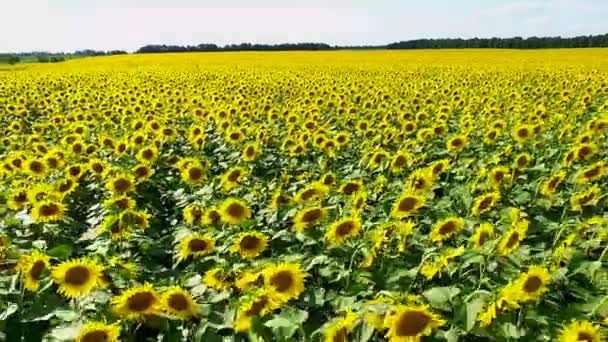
<point>510,330</point>
<point>474,306</point>
<point>11,309</point>
<point>60,252</point>
<point>440,297</point>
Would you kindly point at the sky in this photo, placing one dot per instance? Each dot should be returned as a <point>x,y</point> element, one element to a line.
<point>69,25</point>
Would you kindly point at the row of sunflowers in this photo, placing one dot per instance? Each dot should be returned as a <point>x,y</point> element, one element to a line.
<point>336,196</point>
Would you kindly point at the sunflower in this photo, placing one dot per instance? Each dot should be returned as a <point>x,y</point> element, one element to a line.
<point>588,197</point>
<point>351,186</point>
<point>376,311</point>
<point>584,151</point>
<point>491,136</point>
<point>212,216</point>
<point>18,198</point>
<point>77,277</point>
<point>308,217</point>
<point>499,175</point>
<point>179,303</point>
<point>233,177</point>
<point>339,328</point>
<point>312,193</point>
<point>285,280</point>
<point>117,229</point>
<point>446,228</point>
<point>121,184</point>
<point>550,185</point>
<point>119,203</point>
<point>580,331</point>
<point>359,201</point>
<point>218,278</point>
<point>134,304</point>
<point>74,171</point>
<point>147,155</point>
<point>65,186</point>
<point>522,161</point>
<point>343,230</point>
<point>137,218</point>
<point>40,192</point>
<point>485,203</point>
<point>250,244</point>
<point>532,284</point>
<point>142,172</point>
<point>457,143</point>
<point>251,152</point>
<point>99,332</point>
<point>523,133</point>
<point>36,168</point>
<point>512,238</point>
<point>484,232</point>
<point>234,211</point>
<point>407,205</point>
<point>193,214</point>
<point>400,161</point>
<point>48,211</point>
<point>278,199</point>
<point>97,167</point>
<point>248,279</point>
<point>409,323</point>
<point>439,167</point>
<point>31,268</point>
<point>591,173</point>
<point>195,245</point>
<point>257,303</point>
<point>420,181</point>
<point>194,173</point>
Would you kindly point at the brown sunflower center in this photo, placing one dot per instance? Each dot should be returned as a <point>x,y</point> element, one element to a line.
<point>584,152</point>
<point>195,173</point>
<point>282,281</point>
<point>140,301</point>
<point>485,203</point>
<point>234,176</point>
<point>77,275</point>
<point>592,173</point>
<point>97,168</point>
<point>37,269</point>
<point>214,216</point>
<point>522,161</point>
<point>584,336</point>
<point>412,323</point>
<point>457,142</point>
<point>447,228</point>
<point>407,204</point>
<point>235,136</point>
<point>499,175</point>
<point>250,152</point>
<point>483,237</point>
<point>312,215</point>
<point>257,306</point>
<point>95,336</point>
<point>122,185</point>
<point>350,188</point>
<point>197,245</point>
<point>345,228</point>
<point>250,242</point>
<point>308,194</point>
<point>178,302</point>
<point>513,239</point>
<point>400,161</point>
<point>147,154</point>
<point>492,135</point>
<point>587,198</point>
<point>553,183</point>
<point>340,335</point>
<point>50,209</point>
<point>36,167</point>
<point>523,132</point>
<point>235,210</point>
<point>532,284</point>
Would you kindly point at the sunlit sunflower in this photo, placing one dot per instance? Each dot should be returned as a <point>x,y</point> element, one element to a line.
<point>499,175</point>
<point>457,143</point>
<point>193,214</point>
<point>591,173</point>
<point>147,154</point>
<point>121,184</point>
<point>278,199</point>
<point>339,328</point>
<point>193,174</point>
<point>400,161</point>
<point>439,167</point>
<point>212,216</point>
<point>48,211</point>
<point>77,277</point>
<point>179,303</point>
<point>142,172</point>
<point>485,203</point>
<point>589,197</point>
<point>234,211</point>
<point>308,217</point>
<point>36,168</point>
<point>522,161</point>
<point>195,246</point>
<point>250,244</point>
<point>134,304</point>
<point>113,225</point>
<point>532,284</point>
<point>484,232</point>
<point>523,133</point>
<point>251,152</point>
<point>446,228</point>
<point>99,332</point>
<point>285,280</point>
<point>550,185</point>
<point>233,177</point>
<point>312,193</point>
<point>513,237</point>
<point>75,171</point>
<point>407,205</point>
<point>248,279</point>
<point>376,311</point>
<point>580,331</point>
<point>119,203</point>
<point>343,230</point>
<point>351,186</point>
<point>218,278</point>
<point>420,181</point>
<point>31,268</point>
<point>409,323</point>
<point>97,167</point>
<point>359,201</point>
<point>17,199</point>
<point>257,303</point>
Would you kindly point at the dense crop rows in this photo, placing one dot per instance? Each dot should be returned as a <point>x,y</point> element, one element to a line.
<point>306,196</point>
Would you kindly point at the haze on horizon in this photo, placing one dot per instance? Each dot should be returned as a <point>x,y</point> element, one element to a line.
<point>69,25</point>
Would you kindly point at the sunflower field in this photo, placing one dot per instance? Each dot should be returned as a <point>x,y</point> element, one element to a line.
<point>306,196</point>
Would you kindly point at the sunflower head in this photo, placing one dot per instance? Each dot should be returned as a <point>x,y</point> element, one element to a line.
<point>77,277</point>
<point>234,211</point>
<point>485,203</point>
<point>407,205</point>
<point>447,228</point>
<point>218,278</point>
<point>99,331</point>
<point>250,244</point>
<point>580,331</point>
<point>195,246</point>
<point>285,280</point>
<point>411,322</point>
<point>484,232</point>
<point>342,230</point>
<point>308,217</point>
<point>48,211</point>
<point>136,303</point>
<point>121,184</point>
<point>256,303</point>
<point>32,267</point>
<point>179,303</point>
<point>312,193</point>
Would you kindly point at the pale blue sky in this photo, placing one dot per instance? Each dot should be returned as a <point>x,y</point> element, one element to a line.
<point>67,25</point>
